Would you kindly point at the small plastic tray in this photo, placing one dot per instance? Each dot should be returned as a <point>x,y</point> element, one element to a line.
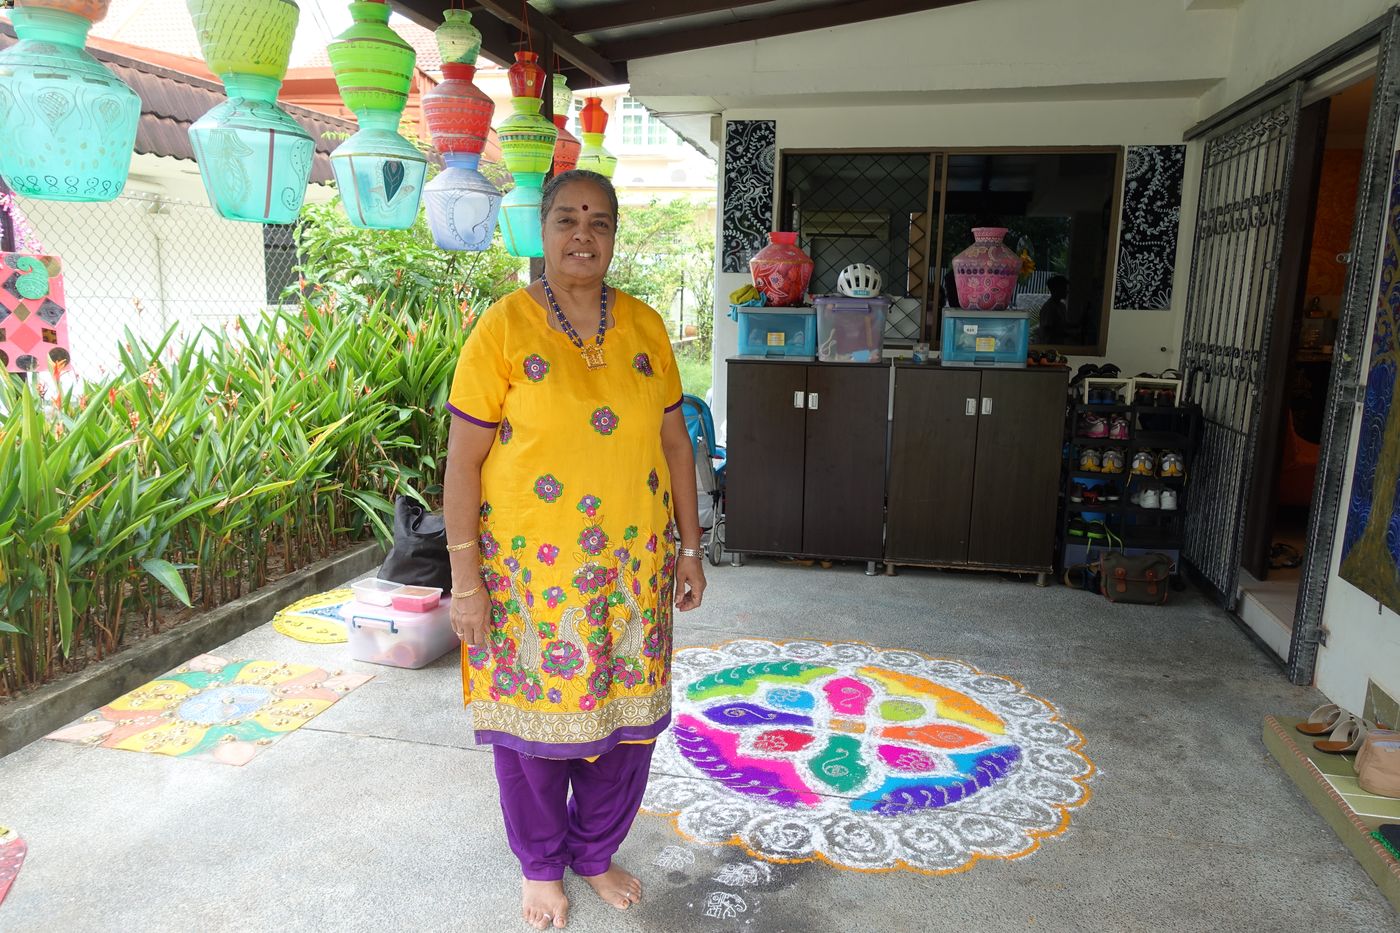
<point>417,598</point>
<point>376,592</point>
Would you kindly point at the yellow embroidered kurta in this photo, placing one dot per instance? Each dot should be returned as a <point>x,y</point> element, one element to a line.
<point>577,537</point>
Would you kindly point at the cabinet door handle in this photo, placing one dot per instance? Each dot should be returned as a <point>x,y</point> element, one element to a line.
<point>986,406</point>
<point>812,401</point>
<point>799,399</point>
<point>971,408</point>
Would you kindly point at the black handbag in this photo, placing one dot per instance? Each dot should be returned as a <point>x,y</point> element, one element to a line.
<point>419,554</point>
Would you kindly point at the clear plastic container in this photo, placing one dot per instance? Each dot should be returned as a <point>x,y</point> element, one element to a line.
<point>375,592</point>
<point>780,332</point>
<point>417,598</point>
<point>850,330</point>
<point>381,635</point>
<point>985,338</point>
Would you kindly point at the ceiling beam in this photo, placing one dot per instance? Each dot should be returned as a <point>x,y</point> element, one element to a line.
<point>598,67</point>
<point>636,12</point>
<point>766,27</point>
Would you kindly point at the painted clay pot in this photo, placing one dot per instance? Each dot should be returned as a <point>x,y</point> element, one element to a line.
<point>457,39</point>
<point>526,76</point>
<point>567,146</point>
<point>373,65</point>
<point>251,37</point>
<point>458,112</point>
<point>76,119</point>
<point>987,271</point>
<point>593,119</point>
<point>527,139</point>
<point>91,10</point>
<point>462,204</point>
<point>781,270</point>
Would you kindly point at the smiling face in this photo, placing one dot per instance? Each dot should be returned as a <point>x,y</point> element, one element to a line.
<point>578,235</point>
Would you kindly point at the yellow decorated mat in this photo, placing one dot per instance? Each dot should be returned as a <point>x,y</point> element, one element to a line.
<point>315,619</point>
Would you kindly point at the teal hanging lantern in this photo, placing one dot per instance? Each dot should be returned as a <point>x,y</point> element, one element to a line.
<point>527,144</point>
<point>254,159</point>
<point>380,174</point>
<point>68,124</point>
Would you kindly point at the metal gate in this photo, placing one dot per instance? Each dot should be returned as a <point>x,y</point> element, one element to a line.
<point>1245,179</point>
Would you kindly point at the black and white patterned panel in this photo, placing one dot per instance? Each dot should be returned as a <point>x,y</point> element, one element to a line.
<point>750,152</point>
<point>1151,220</point>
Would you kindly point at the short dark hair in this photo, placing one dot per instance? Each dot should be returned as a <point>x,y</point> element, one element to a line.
<point>564,179</point>
<point>1057,285</point>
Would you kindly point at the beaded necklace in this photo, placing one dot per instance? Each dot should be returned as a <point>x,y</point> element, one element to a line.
<point>592,355</point>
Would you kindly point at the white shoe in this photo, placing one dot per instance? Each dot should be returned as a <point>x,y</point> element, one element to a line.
<point>1150,499</point>
<point>1168,500</point>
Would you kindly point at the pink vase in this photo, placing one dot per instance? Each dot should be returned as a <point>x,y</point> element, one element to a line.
<point>987,271</point>
<point>781,270</point>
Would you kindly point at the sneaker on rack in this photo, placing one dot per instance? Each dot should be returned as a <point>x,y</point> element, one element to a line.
<point>1166,398</point>
<point>1094,426</point>
<point>1076,492</point>
<point>1111,461</point>
<point>1150,499</point>
<point>1118,428</point>
<point>1109,493</point>
<point>1143,396</point>
<point>1168,500</point>
<point>1173,465</point>
<point>1144,464</point>
<point>1090,460</point>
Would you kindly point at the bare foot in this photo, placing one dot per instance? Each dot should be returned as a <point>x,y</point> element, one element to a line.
<point>543,902</point>
<point>617,886</point>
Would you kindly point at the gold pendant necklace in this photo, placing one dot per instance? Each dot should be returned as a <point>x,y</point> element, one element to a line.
<point>593,353</point>
<point>593,356</point>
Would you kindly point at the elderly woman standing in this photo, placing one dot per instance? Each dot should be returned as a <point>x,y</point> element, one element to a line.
<point>569,546</point>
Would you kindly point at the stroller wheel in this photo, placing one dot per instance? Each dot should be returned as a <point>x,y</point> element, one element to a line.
<point>716,548</point>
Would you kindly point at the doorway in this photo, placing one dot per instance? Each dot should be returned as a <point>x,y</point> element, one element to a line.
<point>1321,213</point>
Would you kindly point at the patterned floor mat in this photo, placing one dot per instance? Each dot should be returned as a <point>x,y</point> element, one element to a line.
<point>13,849</point>
<point>214,709</point>
<point>315,619</point>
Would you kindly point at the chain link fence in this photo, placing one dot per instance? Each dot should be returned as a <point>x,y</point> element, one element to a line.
<point>146,263</point>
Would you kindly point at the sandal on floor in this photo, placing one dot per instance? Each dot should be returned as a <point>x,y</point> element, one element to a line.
<point>1347,737</point>
<point>1321,721</point>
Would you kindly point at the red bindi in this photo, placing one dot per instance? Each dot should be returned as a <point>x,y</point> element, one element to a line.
<point>585,207</point>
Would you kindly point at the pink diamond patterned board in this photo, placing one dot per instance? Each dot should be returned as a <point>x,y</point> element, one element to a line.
<point>13,849</point>
<point>33,313</point>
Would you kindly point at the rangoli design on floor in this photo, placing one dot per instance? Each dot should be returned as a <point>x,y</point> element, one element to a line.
<point>315,619</point>
<point>214,709</point>
<point>863,757</point>
<point>12,852</point>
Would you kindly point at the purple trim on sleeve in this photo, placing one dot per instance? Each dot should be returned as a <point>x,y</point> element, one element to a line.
<point>573,749</point>
<point>671,408</point>
<point>468,418</point>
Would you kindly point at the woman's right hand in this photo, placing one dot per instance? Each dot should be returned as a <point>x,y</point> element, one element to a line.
<point>471,618</point>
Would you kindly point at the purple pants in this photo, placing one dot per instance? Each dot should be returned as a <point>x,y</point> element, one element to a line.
<point>547,830</point>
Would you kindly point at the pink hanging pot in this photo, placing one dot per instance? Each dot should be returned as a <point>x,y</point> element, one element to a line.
<point>781,270</point>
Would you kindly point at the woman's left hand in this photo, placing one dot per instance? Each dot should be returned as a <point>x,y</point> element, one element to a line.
<point>690,583</point>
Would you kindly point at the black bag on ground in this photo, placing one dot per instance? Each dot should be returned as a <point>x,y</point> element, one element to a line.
<point>419,554</point>
<point>1141,578</point>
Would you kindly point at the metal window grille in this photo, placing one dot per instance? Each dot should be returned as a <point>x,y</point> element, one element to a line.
<point>148,263</point>
<point>865,207</point>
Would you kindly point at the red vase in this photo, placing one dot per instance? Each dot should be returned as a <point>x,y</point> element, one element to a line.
<point>781,270</point>
<point>458,112</point>
<point>987,271</point>
<point>593,118</point>
<point>566,147</point>
<point>526,76</point>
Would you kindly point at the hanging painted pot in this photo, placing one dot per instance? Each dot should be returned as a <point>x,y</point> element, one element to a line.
<point>567,146</point>
<point>987,271</point>
<point>379,173</point>
<point>457,111</point>
<point>68,123</point>
<point>462,204</point>
<point>254,159</point>
<point>594,121</point>
<point>781,270</point>
<point>527,145</point>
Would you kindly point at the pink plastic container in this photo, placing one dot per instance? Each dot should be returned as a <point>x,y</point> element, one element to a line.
<point>417,598</point>
<point>382,635</point>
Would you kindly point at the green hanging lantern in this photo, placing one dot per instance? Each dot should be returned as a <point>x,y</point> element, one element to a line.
<point>594,121</point>
<point>67,123</point>
<point>380,174</point>
<point>255,160</point>
<point>527,144</point>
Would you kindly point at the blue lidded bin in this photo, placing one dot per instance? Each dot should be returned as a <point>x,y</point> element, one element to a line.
<point>985,338</point>
<point>776,332</point>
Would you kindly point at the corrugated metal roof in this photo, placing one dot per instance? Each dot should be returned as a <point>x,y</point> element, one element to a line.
<point>171,102</point>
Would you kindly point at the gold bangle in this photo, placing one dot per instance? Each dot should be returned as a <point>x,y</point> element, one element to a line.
<point>468,594</point>
<point>465,545</point>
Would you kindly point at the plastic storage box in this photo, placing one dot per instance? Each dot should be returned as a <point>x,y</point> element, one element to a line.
<point>785,332</point>
<point>985,338</point>
<point>381,635</point>
<point>375,592</point>
<point>850,330</point>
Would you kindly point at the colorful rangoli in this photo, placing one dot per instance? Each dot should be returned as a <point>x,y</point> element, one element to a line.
<point>12,852</point>
<point>215,709</point>
<point>863,757</point>
<point>315,619</point>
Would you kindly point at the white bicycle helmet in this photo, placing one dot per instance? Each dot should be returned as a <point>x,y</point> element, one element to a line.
<point>859,280</point>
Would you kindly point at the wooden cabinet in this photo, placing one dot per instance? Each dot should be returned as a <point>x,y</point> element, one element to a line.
<point>806,459</point>
<point>974,467</point>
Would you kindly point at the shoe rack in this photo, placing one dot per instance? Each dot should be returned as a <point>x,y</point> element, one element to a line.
<point>1142,421</point>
